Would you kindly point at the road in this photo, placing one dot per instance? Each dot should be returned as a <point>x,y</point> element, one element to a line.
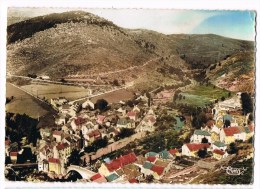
<point>123,70</point>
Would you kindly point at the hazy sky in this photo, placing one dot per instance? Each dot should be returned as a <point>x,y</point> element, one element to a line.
<point>234,24</point>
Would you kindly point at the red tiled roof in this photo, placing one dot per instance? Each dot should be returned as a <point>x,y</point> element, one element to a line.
<point>57,133</point>
<point>96,176</point>
<point>195,147</point>
<point>151,158</point>
<point>95,134</point>
<point>100,118</point>
<point>62,146</point>
<point>133,180</point>
<point>173,151</point>
<point>220,152</point>
<point>54,160</point>
<point>80,121</point>
<point>131,113</point>
<point>121,161</point>
<point>13,153</point>
<point>230,131</point>
<point>159,170</point>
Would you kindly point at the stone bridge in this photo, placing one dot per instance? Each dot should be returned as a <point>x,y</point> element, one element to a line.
<point>84,172</point>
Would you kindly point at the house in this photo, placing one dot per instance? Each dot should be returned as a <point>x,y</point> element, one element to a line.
<point>160,168</point>
<point>230,134</point>
<point>88,104</point>
<point>62,119</point>
<point>199,135</point>
<point>57,135</point>
<point>165,155</point>
<point>77,123</point>
<point>45,132</point>
<point>132,115</point>
<point>132,171</point>
<point>191,149</point>
<point>112,177</point>
<point>147,124</point>
<point>54,165</point>
<point>151,159</point>
<point>45,153</point>
<point>214,136</point>
<point>13,156</point>
<point>64,150</point>
<point>219,145</point>
<point>136,109</point>
<point>125,123</point>
<point>219,154</point>
<point>146,168</point>
<point>100,119</point>
<point>43,166</point>
<point>174,152</point>
<point>107,168</point>
<point>57,102</point>
<point>94,135</point>
<point>98,178</point>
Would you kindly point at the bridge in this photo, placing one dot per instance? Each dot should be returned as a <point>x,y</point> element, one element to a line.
<point>84,172</point>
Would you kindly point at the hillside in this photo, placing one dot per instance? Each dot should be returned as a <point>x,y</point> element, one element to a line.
<point>236,73</point>
<point>78,43</point>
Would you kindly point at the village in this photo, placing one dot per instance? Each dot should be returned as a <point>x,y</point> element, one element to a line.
<point>86,134</point>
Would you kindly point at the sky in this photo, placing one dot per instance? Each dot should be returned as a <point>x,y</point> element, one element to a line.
<point>233,24</point>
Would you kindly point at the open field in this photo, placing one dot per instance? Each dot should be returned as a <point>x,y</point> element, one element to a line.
<point>115,96</point>
<point>23,103</point>
<point>49,91</point>
<point>202,94</point>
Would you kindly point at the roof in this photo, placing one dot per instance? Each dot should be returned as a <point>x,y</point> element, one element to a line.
<point>151,158</point>
<point>79,120</point>
<point>150,154</point>
<point>230,131</point>
<point>133,180</point>
<point>227,117</point>
<point>121,161</point>
<point>96,176</point>
<point>54,160</point>
<point>13,153</point>
<point>95,134</point>
<point>219,144</point>
<point>147,165</point>
<point>173,151</point>
<point>251,127</point>
<point>162,163</point>
<point>112,177</point>
<point>220,152</point>
<point>202,132</point>
<point>100,118</point>
<point>159,170</point>
<point>62,146</point>
<point>131,113</point>
<point>164,154</point>
<point>57,133</point>
<point>197,146</point>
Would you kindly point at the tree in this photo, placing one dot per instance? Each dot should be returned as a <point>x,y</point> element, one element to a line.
<point>101,104</point>
<point>232,148</point>
<point>202,153</point>
<point>227,123</point>
<point>223,98</point>
<point>204,140</point>
<point>149,178</point>
<point>125,132</point>
<point>74,158</point>
<point>116,83</point>
<point>247,104</point>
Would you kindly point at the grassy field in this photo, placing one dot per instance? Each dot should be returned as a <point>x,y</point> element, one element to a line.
<point>202,94</point>
<point>54,90</point>
<point>23,103</point>
<point>115,96</point>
